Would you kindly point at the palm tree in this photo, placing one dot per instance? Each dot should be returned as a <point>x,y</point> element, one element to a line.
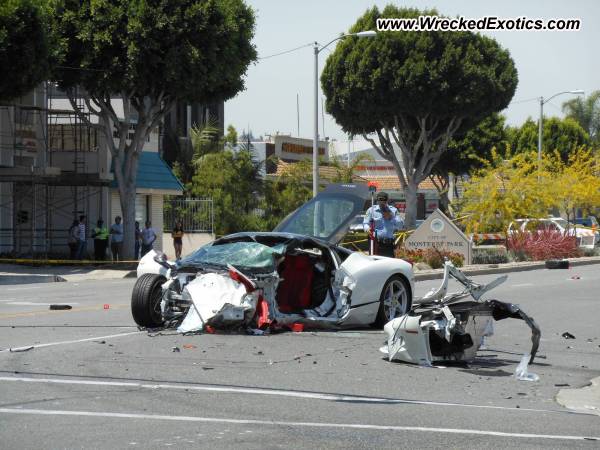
<point>586,111</point>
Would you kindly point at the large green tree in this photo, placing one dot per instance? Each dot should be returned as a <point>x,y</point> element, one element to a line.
<point>466,153</point>
<point>150,54</point>
<point>409,93</point>
<point>232,180</point>
<point>562,135</point>
<point>586,112</point>
<point>28,48</point>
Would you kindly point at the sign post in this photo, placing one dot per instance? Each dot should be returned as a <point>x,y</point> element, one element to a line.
<point>372,190</point>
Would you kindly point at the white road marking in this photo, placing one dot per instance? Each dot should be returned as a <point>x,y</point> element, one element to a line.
<point>10,302</point>
<point>355,426</point>
<point>23,288</point>
<point>50,344</point>
<point>522,285</point>
<point>274,392</point>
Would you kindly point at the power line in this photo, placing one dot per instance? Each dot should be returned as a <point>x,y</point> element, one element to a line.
<point>287,51</point>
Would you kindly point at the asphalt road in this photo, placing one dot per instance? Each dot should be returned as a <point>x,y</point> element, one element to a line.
<point>93,380</point>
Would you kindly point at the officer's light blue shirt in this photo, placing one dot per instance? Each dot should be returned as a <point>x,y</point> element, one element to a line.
<point>384,228</point>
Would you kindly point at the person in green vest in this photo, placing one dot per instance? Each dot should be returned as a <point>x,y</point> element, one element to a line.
<point>100,235</point>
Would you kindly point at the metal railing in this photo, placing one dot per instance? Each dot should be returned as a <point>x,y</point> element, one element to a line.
<point>196,214</point>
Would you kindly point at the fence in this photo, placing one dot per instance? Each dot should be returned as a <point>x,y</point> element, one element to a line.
<point>196,214</point>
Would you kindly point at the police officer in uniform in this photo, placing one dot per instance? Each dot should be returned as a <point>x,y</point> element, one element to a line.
<point>386,221</point>
<point>100,235</point>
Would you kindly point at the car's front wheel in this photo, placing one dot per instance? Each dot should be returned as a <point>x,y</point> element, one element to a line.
<point>145,300</point>
<point>395,300</point>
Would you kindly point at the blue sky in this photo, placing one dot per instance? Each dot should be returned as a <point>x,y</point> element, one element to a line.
<point>548,61</point>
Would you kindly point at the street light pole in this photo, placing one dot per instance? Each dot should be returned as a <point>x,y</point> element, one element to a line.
<point>316,124</point>
<point>317,50</point>
<point>541,122</point>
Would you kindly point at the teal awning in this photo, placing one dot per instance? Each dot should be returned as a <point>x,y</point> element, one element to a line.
<point>154,173</point>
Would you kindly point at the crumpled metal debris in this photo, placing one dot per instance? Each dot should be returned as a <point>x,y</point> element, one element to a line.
<point>451,327</point>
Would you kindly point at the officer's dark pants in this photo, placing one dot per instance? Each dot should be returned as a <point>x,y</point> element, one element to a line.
<point>385,248</point>
<point>100,249</point>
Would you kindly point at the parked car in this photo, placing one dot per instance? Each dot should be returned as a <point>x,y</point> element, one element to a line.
<point>357,224</point>
<point>587,222</point>
<point>295,274</point>
<point>585,238</point>
<point>590,222</point>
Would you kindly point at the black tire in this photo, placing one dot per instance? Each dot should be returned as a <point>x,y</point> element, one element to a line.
<point>557,264</point>
<point>145,300</point>
<point>385,313</point>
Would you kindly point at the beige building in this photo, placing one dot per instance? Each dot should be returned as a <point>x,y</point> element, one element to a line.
<point>54,168</point>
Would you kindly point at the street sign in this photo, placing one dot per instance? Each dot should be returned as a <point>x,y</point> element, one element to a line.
<point>438,231</point>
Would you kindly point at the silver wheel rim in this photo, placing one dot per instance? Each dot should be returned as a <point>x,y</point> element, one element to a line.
<point>395,300</point>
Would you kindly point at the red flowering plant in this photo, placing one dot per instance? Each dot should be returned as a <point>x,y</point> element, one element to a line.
<point>540,245</point>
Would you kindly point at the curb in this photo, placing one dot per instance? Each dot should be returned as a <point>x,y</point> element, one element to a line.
<point>490,269</point>
<point>29,279</point>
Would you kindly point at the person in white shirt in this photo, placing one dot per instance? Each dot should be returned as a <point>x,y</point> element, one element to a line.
<point>116,239</point>
<point>148,238</point>
<point>81,244</point>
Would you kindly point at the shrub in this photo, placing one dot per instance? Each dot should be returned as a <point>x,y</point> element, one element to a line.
<point>431,256</point>
<point>491,254</point>
<point>541,245</point>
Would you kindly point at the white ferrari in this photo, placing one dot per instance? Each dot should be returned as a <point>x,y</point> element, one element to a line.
<point>297,274</point>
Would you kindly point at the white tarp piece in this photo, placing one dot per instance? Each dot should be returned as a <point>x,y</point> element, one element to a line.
<point>210,293</point>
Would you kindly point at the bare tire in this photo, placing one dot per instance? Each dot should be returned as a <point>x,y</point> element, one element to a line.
<point>394,301</point>
<point>557,264</point>
<point>145,300</point>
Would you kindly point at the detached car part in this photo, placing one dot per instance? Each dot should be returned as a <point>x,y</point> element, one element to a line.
<point>451,327</point>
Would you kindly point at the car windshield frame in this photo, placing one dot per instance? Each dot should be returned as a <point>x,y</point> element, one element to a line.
<point>333,209</point>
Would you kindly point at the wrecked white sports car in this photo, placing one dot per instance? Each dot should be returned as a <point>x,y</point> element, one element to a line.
<point>296,274</point>
<point>451,327</point>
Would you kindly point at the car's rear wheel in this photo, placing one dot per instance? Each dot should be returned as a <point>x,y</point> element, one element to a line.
<point>145,300</point>
<point>395,300</point>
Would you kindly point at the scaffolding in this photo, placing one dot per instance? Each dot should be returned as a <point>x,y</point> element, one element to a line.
<point>49,175</point>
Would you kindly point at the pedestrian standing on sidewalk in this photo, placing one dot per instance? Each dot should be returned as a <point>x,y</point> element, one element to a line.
<point>100,235</point>
<point>116,239</point>
<point>81,238</point>
<point>386,221</point>
<point>138,240</point>
<point>148,238</point>
<point>73,239</point>
<point>177,235</point>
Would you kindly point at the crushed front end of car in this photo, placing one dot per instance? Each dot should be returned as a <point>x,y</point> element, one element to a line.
<point>451,327</point>
<point>243,285</point>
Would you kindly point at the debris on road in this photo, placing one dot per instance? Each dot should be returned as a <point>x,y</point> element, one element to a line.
<point>60,307</point>
<point>521,372</point>
<point>20,349</point>
<point>189,346</point>
<point>175,350</point>
<point>567,335</point>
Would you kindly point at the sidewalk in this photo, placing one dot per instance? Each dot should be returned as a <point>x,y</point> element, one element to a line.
<point>490,269</point>
<point>22,274</point>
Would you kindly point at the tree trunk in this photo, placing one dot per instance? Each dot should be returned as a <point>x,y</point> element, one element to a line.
<point>128,209</point>
<point>411,204</point>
